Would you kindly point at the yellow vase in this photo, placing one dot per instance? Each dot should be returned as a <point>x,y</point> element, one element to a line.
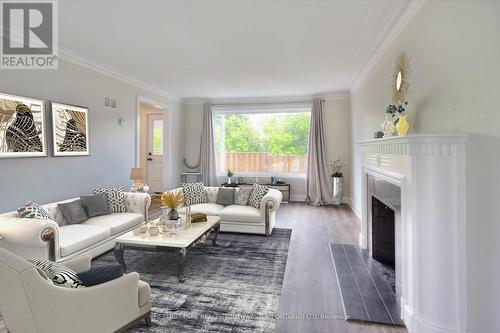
<point>402,126</point>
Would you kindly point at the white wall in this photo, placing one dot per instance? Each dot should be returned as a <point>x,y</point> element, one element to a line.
<point>112,146</point>
<point>337,125</point>
<point>454,87</point>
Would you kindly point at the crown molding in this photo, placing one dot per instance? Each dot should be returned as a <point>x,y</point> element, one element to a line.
<point>262,100</point>
<point>108,71</point>
<point>393,29</point>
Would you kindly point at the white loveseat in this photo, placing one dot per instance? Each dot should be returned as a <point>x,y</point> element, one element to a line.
<point>237,218</point>
<point>54,239</point>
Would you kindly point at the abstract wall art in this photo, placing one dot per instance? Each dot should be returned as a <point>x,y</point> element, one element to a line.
<point>22,127</point>
<point>70,128</point>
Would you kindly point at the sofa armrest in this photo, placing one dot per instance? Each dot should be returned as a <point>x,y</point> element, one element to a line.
<point>273,199</point>
<point>30,237</point>
<point>79,264</point>
<point>102,308</point>
<point>138,202</point>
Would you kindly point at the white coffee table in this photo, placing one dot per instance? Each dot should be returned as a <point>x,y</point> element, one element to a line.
<point>177,244</point>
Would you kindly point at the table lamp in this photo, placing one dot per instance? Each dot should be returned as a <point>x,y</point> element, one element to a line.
<point>137,175</point>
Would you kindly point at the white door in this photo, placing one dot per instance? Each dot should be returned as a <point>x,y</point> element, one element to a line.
<point>154,158</point>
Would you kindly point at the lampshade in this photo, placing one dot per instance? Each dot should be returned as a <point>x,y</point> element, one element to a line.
<point>137,173</point>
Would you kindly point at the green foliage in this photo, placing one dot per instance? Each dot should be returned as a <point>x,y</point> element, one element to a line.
<point>278,134</point>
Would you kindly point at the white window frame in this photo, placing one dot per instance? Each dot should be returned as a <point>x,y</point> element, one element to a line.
<point>227,109</point>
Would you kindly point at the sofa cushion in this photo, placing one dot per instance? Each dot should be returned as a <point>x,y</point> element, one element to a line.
<point>258,193</point>
<point>115,197</point>
<point>212,194</point>
<point>32,210</point>
<point>240,213</point>
<point>207,208</point>
<point>73,212</point>
<point>144,293</point>
<point>75,237</point>
<point>242,194</point>
<point>101,274</point>
<point>194,193</point>
<point>225,196</point>
<point>116,223</point>
<point>95,205</point>
<point>59,274</point>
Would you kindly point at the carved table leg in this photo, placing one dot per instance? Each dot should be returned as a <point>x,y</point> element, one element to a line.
<point>216,233</point>
<point>118,251</point>
<point>181,258</point>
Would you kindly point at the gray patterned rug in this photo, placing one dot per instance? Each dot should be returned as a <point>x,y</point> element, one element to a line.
<point>233,287</point>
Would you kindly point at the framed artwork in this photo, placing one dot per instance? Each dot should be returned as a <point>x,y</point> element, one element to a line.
<point>70,129</point>
<point>22,127</point>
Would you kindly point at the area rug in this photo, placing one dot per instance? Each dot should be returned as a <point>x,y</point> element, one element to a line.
<point>232,287</point>
<point>366,295</point>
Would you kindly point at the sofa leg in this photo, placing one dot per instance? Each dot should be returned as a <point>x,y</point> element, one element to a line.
<point>147,319</point>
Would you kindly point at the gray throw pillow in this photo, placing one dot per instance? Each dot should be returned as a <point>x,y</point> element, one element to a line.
<point>73,212</point>
<point>225,196</point>
<point>242,195</point>
<point>258,193</point>
<point>95,205</point>
<point>115,197</point>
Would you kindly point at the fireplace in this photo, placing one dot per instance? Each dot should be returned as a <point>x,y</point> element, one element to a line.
<point>383,234</point>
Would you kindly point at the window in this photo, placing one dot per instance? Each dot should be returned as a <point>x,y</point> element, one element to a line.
<point>157,137</point>
<point>262,141</point>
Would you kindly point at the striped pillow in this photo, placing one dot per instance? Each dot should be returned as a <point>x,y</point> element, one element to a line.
<point>59,274</point>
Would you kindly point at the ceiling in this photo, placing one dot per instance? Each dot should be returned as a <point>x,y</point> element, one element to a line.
<point>229,48</point>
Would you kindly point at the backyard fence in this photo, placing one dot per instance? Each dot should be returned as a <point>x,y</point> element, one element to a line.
<point>264,162</point>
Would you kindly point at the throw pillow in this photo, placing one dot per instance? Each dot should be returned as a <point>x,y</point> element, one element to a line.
<point>258,193</point>
<point>115,198</point>
<point>73,212</point>
<point>225,196</point>
<point>100,274</point>
<point>95,205</point>
<point>59,274</point>
<point>194,193</point>
<point>242,195</point>
<point>32,210</point>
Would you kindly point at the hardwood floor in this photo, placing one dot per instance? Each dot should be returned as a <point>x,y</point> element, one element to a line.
<point>310,285</point>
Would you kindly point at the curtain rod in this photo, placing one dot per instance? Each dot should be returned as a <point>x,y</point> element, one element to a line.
<point>263,103</point>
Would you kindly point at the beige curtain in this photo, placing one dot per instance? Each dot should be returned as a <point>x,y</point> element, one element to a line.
<point>208,147</point>
<point>318,189</point>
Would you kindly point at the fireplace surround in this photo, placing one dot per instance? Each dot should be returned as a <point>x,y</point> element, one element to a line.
<point>428,171</point>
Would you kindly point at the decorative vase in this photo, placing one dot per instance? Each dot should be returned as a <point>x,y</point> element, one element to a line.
<point>337,190</point>
<point>228,180</point>
<point>153,230</point>
<point>173,214</point>
<point>388,127</point>
<point>164,215</point>
<point>402,125</point>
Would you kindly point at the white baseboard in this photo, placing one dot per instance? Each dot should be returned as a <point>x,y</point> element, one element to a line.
<point>298,197</point>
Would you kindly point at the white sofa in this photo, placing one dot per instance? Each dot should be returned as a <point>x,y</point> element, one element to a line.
<point>54,239</point>
<point>237,218</point>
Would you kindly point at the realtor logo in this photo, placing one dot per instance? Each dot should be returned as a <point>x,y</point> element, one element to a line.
<point>29,35</point>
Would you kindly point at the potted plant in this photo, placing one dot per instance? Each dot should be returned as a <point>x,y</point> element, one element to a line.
<point>229,175</point>
<point>171,200</point>
<point>337,180</point>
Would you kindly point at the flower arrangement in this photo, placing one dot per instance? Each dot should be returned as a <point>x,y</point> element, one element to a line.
<point>229,173</point>
<point>172,199</point>
<point>336,167</point>
<point>396,111</point>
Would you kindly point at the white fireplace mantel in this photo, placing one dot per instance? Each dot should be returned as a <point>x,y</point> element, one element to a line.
<point>430,170</point>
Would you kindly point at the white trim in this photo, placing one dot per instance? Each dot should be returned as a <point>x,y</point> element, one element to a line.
<point>407,10</point>
<point>263,175</point>
<point>111,72</point>
<point>262,108</point>
<point>297,198</point>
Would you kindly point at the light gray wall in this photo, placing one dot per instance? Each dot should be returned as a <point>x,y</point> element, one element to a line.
<point>454,87</point>
<point>337,126</point>
<point>112,146</point>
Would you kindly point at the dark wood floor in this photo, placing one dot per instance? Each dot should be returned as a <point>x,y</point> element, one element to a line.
<point>310,286</point>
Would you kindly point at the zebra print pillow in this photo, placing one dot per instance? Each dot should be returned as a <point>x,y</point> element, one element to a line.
<point>59,274</point>
<point>32,210</point>
<point>115,198</point>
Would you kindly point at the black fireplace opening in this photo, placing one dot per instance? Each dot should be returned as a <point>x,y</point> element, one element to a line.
<point>383,233</point>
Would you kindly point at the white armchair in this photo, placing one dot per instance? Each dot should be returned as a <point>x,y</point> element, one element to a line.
<point>30,303</point>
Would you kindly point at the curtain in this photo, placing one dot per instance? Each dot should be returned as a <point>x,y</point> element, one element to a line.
<point>208,148</point>
<point>318,191</point>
